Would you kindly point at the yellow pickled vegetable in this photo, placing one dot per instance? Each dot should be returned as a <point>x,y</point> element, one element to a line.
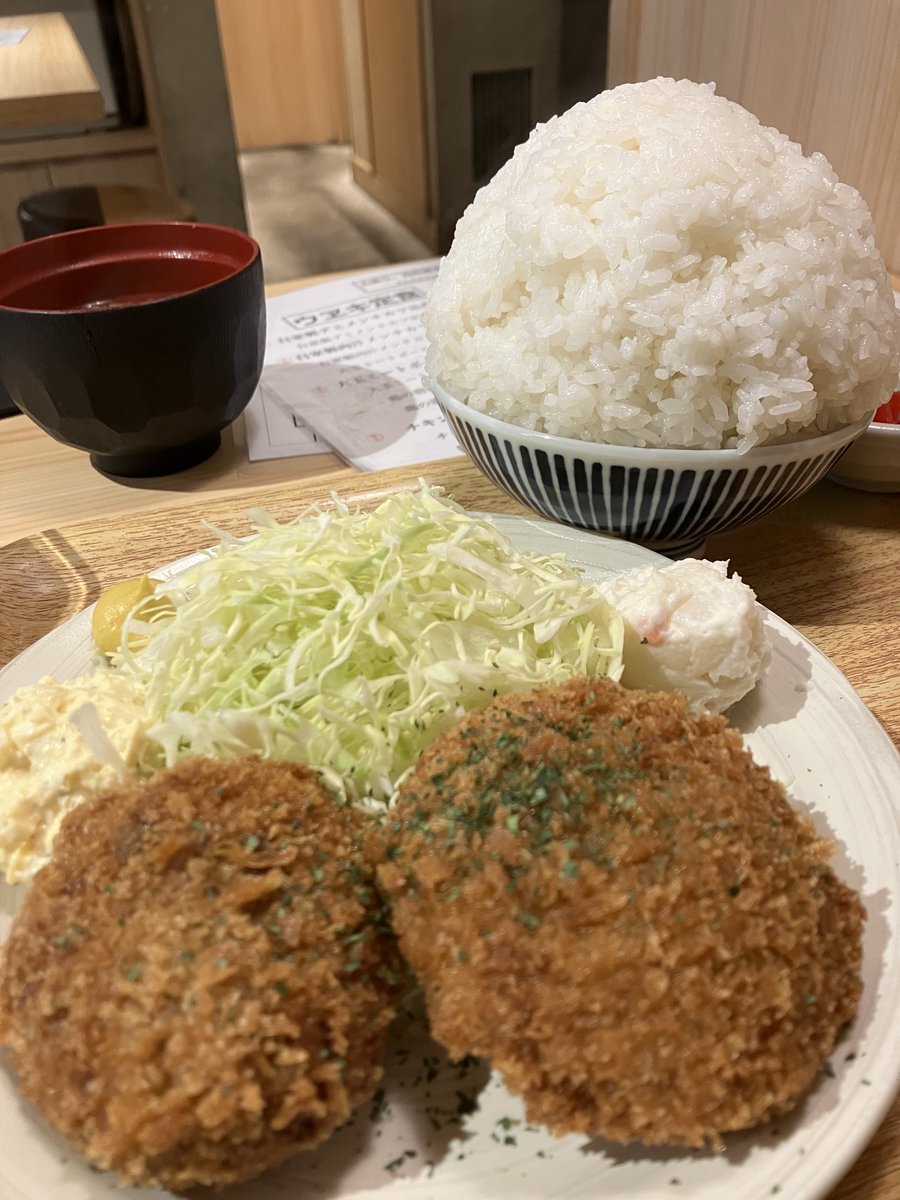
<point>116,603</point>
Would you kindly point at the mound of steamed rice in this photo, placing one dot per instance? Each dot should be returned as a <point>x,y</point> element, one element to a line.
<point>656,268</point>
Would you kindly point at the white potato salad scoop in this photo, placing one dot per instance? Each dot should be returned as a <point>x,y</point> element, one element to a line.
<point>692,628</point>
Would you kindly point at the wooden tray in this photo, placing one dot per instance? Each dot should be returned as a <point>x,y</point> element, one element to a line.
<point>829,564</point>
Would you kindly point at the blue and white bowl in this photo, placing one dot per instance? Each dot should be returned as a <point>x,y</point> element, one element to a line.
<point>669,500</point>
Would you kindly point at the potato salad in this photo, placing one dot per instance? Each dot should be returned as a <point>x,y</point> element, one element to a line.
<point>46,765</point>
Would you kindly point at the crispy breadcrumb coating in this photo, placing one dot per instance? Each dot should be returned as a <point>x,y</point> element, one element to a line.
<point>611,901</point>
<point>199,983</point>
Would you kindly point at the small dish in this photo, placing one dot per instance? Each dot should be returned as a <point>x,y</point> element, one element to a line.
<point>872,463</point>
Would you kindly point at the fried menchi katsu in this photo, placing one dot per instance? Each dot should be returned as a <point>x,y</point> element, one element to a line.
<point>614,904</point>
<point>198,984</point>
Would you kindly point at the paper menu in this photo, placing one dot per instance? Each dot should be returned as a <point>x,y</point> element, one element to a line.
<point>272,430</point>
<point>344,367</point>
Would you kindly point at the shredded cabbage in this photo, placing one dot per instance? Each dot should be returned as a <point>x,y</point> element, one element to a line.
<point>350,640</point>
<point>87,721</point>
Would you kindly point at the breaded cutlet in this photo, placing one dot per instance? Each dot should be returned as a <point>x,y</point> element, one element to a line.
<point>199,983</point>
<point>612,902</point>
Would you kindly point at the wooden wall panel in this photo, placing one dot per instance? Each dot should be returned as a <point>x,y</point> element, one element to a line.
<point>357,73</point>
<point>285,65</point>
<point>668,31</point>
<point>398,157</point>
<point>623,42</point>
<point>828,75</point>
<point>725,41</point>
<point>782,80</point>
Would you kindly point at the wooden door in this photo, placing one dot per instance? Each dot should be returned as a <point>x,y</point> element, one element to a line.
<point>285,66</point>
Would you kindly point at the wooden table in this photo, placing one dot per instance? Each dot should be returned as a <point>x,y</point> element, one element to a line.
<point>829,563</point>
<point>45,78</point>
<point>44,483</point>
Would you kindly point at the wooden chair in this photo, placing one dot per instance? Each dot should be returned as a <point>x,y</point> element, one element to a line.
<point>62,209</point>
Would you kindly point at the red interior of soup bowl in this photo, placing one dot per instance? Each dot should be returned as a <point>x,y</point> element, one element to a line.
<point>111,266</point>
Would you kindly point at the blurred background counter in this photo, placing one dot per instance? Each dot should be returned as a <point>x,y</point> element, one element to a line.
<point>48,78</point>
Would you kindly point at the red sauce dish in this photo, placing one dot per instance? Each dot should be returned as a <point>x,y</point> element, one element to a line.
<point>889,414</point>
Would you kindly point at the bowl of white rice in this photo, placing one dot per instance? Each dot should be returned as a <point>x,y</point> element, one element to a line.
<point>661,319</point>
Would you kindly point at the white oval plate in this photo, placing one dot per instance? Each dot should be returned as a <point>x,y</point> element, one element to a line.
<point>803,720</point>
